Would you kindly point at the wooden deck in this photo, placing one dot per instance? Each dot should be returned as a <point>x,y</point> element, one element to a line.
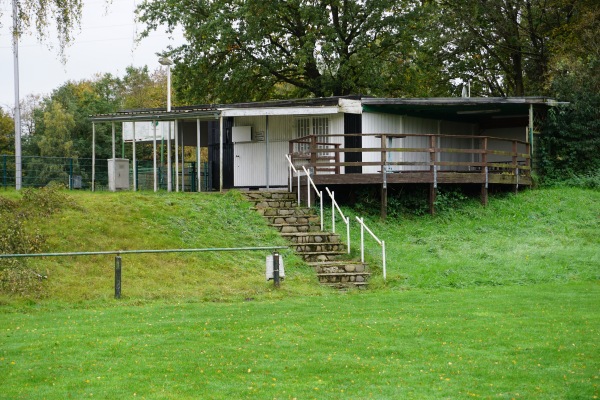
<point>422,159</point>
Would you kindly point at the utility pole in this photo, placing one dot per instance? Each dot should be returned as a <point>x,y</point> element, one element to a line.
<point>18,168</point>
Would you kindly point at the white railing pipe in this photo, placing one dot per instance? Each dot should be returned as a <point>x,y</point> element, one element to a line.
<point>334,206</point>
<point>362,245</point>
<point>309,183</point>
<point>290,169</point>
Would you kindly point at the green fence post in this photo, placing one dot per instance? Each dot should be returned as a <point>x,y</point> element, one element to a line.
<point>193,177</point>
<point>137,180</point>
<point>71,173</point>
<point>4,170</point>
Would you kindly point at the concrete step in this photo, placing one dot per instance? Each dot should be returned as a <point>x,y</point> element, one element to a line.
<point>338,266</point>
<point>312,237</point>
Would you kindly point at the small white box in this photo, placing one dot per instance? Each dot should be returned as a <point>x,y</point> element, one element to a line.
<point>269,272</point>
<point>241,134</point>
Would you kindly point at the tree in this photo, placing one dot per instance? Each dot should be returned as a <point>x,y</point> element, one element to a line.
<point>38,15</point>
<point>7,131</point>
<point>503,46</point>
<point>257,49</point>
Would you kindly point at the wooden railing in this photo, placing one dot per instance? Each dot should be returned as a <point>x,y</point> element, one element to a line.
<point>414,152</point>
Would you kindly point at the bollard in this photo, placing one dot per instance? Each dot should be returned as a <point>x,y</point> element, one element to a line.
<point>117,277</point>
<point>276,269</point>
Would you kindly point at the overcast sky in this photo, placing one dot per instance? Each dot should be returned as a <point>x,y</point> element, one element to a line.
<point>105,43</point>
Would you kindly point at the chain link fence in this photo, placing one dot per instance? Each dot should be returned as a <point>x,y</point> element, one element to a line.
<point>76,173</point>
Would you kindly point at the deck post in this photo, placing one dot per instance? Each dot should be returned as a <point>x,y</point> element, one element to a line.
<point>432,167</point>
<point>484,170</point>
<point>515,165</point>
<point>384,199</point>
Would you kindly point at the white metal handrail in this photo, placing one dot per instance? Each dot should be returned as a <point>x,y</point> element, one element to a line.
<point>310,183</point>
<point>362,243</point>
<point>334,206</point>
<point>290,168</point>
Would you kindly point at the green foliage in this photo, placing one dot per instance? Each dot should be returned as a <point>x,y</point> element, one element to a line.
<point>19,235</point>
<point>7,133</point>
<point>317,48</point>
<point>571,141</point>
<point>40,15</point>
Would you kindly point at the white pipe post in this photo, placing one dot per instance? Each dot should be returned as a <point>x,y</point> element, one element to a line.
<point>134,162</point>
<point>18,158</point>
<point>198,153</point>
<point>298,179</point>
<point>154,175</point>
<point>221,153</point>
<point>362,240</point>
<point>93,156</point>
<point>176,156</point>
<point>182,163</point>
<point>308,188</point>
<point>384,263</point>
<point>114,149</point>
<point>333,211</point>
<point>290,177</point>
<point>169,165</point>
<point>321,198</point>
<point>267,149</point>
<point>348,233</point>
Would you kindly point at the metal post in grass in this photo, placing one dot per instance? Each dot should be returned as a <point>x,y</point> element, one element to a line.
<point>71,173</point>
<point>4,176</point>
<point>276,280</point>
<point>117,277</point>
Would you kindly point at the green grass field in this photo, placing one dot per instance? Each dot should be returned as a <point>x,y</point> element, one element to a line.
<point>496,302</point>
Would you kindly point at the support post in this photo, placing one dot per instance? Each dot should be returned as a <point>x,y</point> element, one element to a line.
<point>276,279</point>
<point>169,166</point>
<point>117,277</point>
<point>383,212</point>
<point>433,169</point>
<point>516,166</point>
<point>93,156</point>
<point>176,156</point>
<point>267,150</point>
<point>182,163</point>
<point>114,143</point>
<point>154,174</point>
<point>221,153</point>
<point>134,161</point>
<point>484,169</point>
<point>198,154</point>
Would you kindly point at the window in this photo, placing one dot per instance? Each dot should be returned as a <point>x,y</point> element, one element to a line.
<point>306,126</point>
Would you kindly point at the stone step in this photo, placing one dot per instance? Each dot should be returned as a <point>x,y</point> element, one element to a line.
<point>345,286</point>
<point>338,266</point>
<point>274,203</point>
<point>272,195</point>
<point>312,237</point>
<point>343,278</point>
<point>303,219</point>
<point>318,247</point>
<point>313,256</point>
<point>285,212</point>
<point>295,228</point>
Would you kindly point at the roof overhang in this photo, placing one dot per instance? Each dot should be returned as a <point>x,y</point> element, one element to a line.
<point>485,111</point>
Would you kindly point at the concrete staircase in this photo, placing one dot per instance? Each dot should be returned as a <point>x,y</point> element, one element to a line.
<point>322,250</point>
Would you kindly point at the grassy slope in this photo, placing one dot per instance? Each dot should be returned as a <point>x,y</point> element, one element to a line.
<point>546,235</point>
<point>130,221</point>
<point>493,338</point>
